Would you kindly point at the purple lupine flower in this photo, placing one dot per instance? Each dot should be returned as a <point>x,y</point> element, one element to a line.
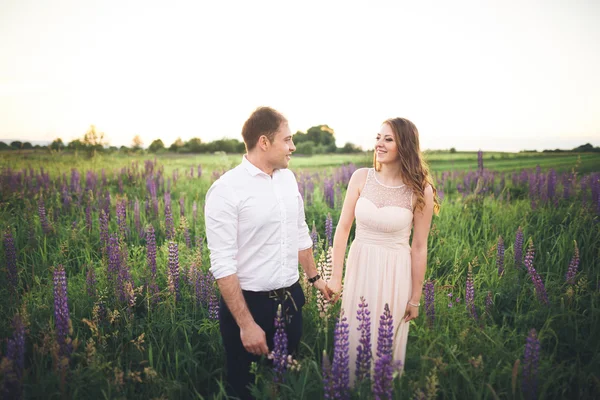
<point>88,217</point>
<point>169,224</point>
<point>91,282</point>
<point>194,210</point>
<point>530,365</point>
<point>136,216</point>
<point>199,171</point>
<point>209,288</point>
<point>430,302</point>
<point>61,312</point>
<point>341,359</point>
<point>551,184</point>
<point>10,255</point>
<point>500,256</point>
<point>540,289</point>
<point>191,171</point>
<point>173,271</point>
<point>328,391</point>
<point>186,235</point>
<point>519,248</point>
<point>106,204</point>
<point>315,238</point>
<point>198,279</point>
<point>480,161</point>
<point>151,258</point>
<point>470,294</point>
<point>573,266</point>
<point>329,230</point>
<point>384,368</point>
<point>66,199</point>
<point>104,232</point>
<point>122,217</point>
<point>182,206</point>
<point>46,228</point>
<point>15,353</point>
<point>450,305</point>
<point>280,350</point>
<point>363,350</point>
<point>328,192</point>
<point>203,288</point>
<point>123,278</point>
<point>488,303</point>
<point>114,258</point>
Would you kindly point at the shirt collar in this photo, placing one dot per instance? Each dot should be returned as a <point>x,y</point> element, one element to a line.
<point>251,168</point>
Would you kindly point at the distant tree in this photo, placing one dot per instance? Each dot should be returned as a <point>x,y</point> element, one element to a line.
<point>57,144</point>
<point>585,148</point>
<point>305,148</point>
<point>123,149</point>
<point>350,148</point>
<point>321,134</point>
<point>452,150</point>
<point>300,137</point>
<point>177,144</point>
<point>137,142</point>
<point>93,141</point>
<point>16,144</point>
<point>76,144</point>
<point>156,145</point>
<point>4,146</point>
<point>227,145</point>
<point>194,145</point>
<point>27,146</point>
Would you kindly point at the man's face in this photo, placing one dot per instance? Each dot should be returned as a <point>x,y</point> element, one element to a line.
<point>282,147</point>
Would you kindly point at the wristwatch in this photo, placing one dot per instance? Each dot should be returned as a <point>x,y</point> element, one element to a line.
<point>314,279</point>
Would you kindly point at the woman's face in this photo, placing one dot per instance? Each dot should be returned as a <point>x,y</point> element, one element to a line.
<point>386,148</point>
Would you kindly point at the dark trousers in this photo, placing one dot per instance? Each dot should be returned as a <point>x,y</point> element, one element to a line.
<point>263,307</point>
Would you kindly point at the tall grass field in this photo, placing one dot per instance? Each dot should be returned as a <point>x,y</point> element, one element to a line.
<point>105,291</point>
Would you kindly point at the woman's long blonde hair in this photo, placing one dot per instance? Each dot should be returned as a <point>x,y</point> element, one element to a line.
<point>413,167</point>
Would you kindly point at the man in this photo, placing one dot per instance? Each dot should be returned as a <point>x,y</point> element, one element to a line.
<point>257,233</point>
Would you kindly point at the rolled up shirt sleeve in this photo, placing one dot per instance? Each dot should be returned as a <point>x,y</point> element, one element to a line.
<point>304,240</point>
<point>221,219</point>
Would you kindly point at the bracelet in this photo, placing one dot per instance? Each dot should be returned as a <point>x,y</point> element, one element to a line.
<point>314,279</point>
<point>414,305</point>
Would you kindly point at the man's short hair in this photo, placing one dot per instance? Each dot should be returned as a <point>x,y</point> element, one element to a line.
<point>263,121</point>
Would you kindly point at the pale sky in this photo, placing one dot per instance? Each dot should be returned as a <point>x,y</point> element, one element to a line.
<point>492,75</point>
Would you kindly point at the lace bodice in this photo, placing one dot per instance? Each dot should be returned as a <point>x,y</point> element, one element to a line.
<point>384,196</point>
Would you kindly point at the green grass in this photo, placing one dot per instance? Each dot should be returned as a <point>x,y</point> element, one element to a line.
<point>180,353</point>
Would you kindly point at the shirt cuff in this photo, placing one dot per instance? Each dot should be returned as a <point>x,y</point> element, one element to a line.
<point>304,242</point>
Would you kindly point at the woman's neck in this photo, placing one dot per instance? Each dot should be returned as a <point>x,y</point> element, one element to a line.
<point>390,175</point>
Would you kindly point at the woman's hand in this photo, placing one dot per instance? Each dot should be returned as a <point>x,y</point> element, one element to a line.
<point>334,286</point>
<point>411,312</point>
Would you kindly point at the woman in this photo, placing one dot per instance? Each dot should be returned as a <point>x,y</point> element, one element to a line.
<point>389,200</point>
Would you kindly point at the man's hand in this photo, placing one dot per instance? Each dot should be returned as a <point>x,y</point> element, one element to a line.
<point>254,339</point>
<point>334,287</point>
<point>322,287</point>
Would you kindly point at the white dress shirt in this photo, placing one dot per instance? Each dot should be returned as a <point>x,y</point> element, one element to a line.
<point>255,226</point>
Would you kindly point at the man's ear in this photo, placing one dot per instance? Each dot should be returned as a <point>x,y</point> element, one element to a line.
<point>263,142</point>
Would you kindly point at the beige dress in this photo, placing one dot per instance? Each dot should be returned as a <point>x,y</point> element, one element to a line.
<point>379,263</point>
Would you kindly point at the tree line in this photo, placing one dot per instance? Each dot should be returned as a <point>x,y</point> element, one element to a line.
<point>318,139</point>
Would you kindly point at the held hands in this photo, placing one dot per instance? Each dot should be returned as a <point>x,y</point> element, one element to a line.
<point>254,339</point>
<point>321,286</point>
<point>334,287</point>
